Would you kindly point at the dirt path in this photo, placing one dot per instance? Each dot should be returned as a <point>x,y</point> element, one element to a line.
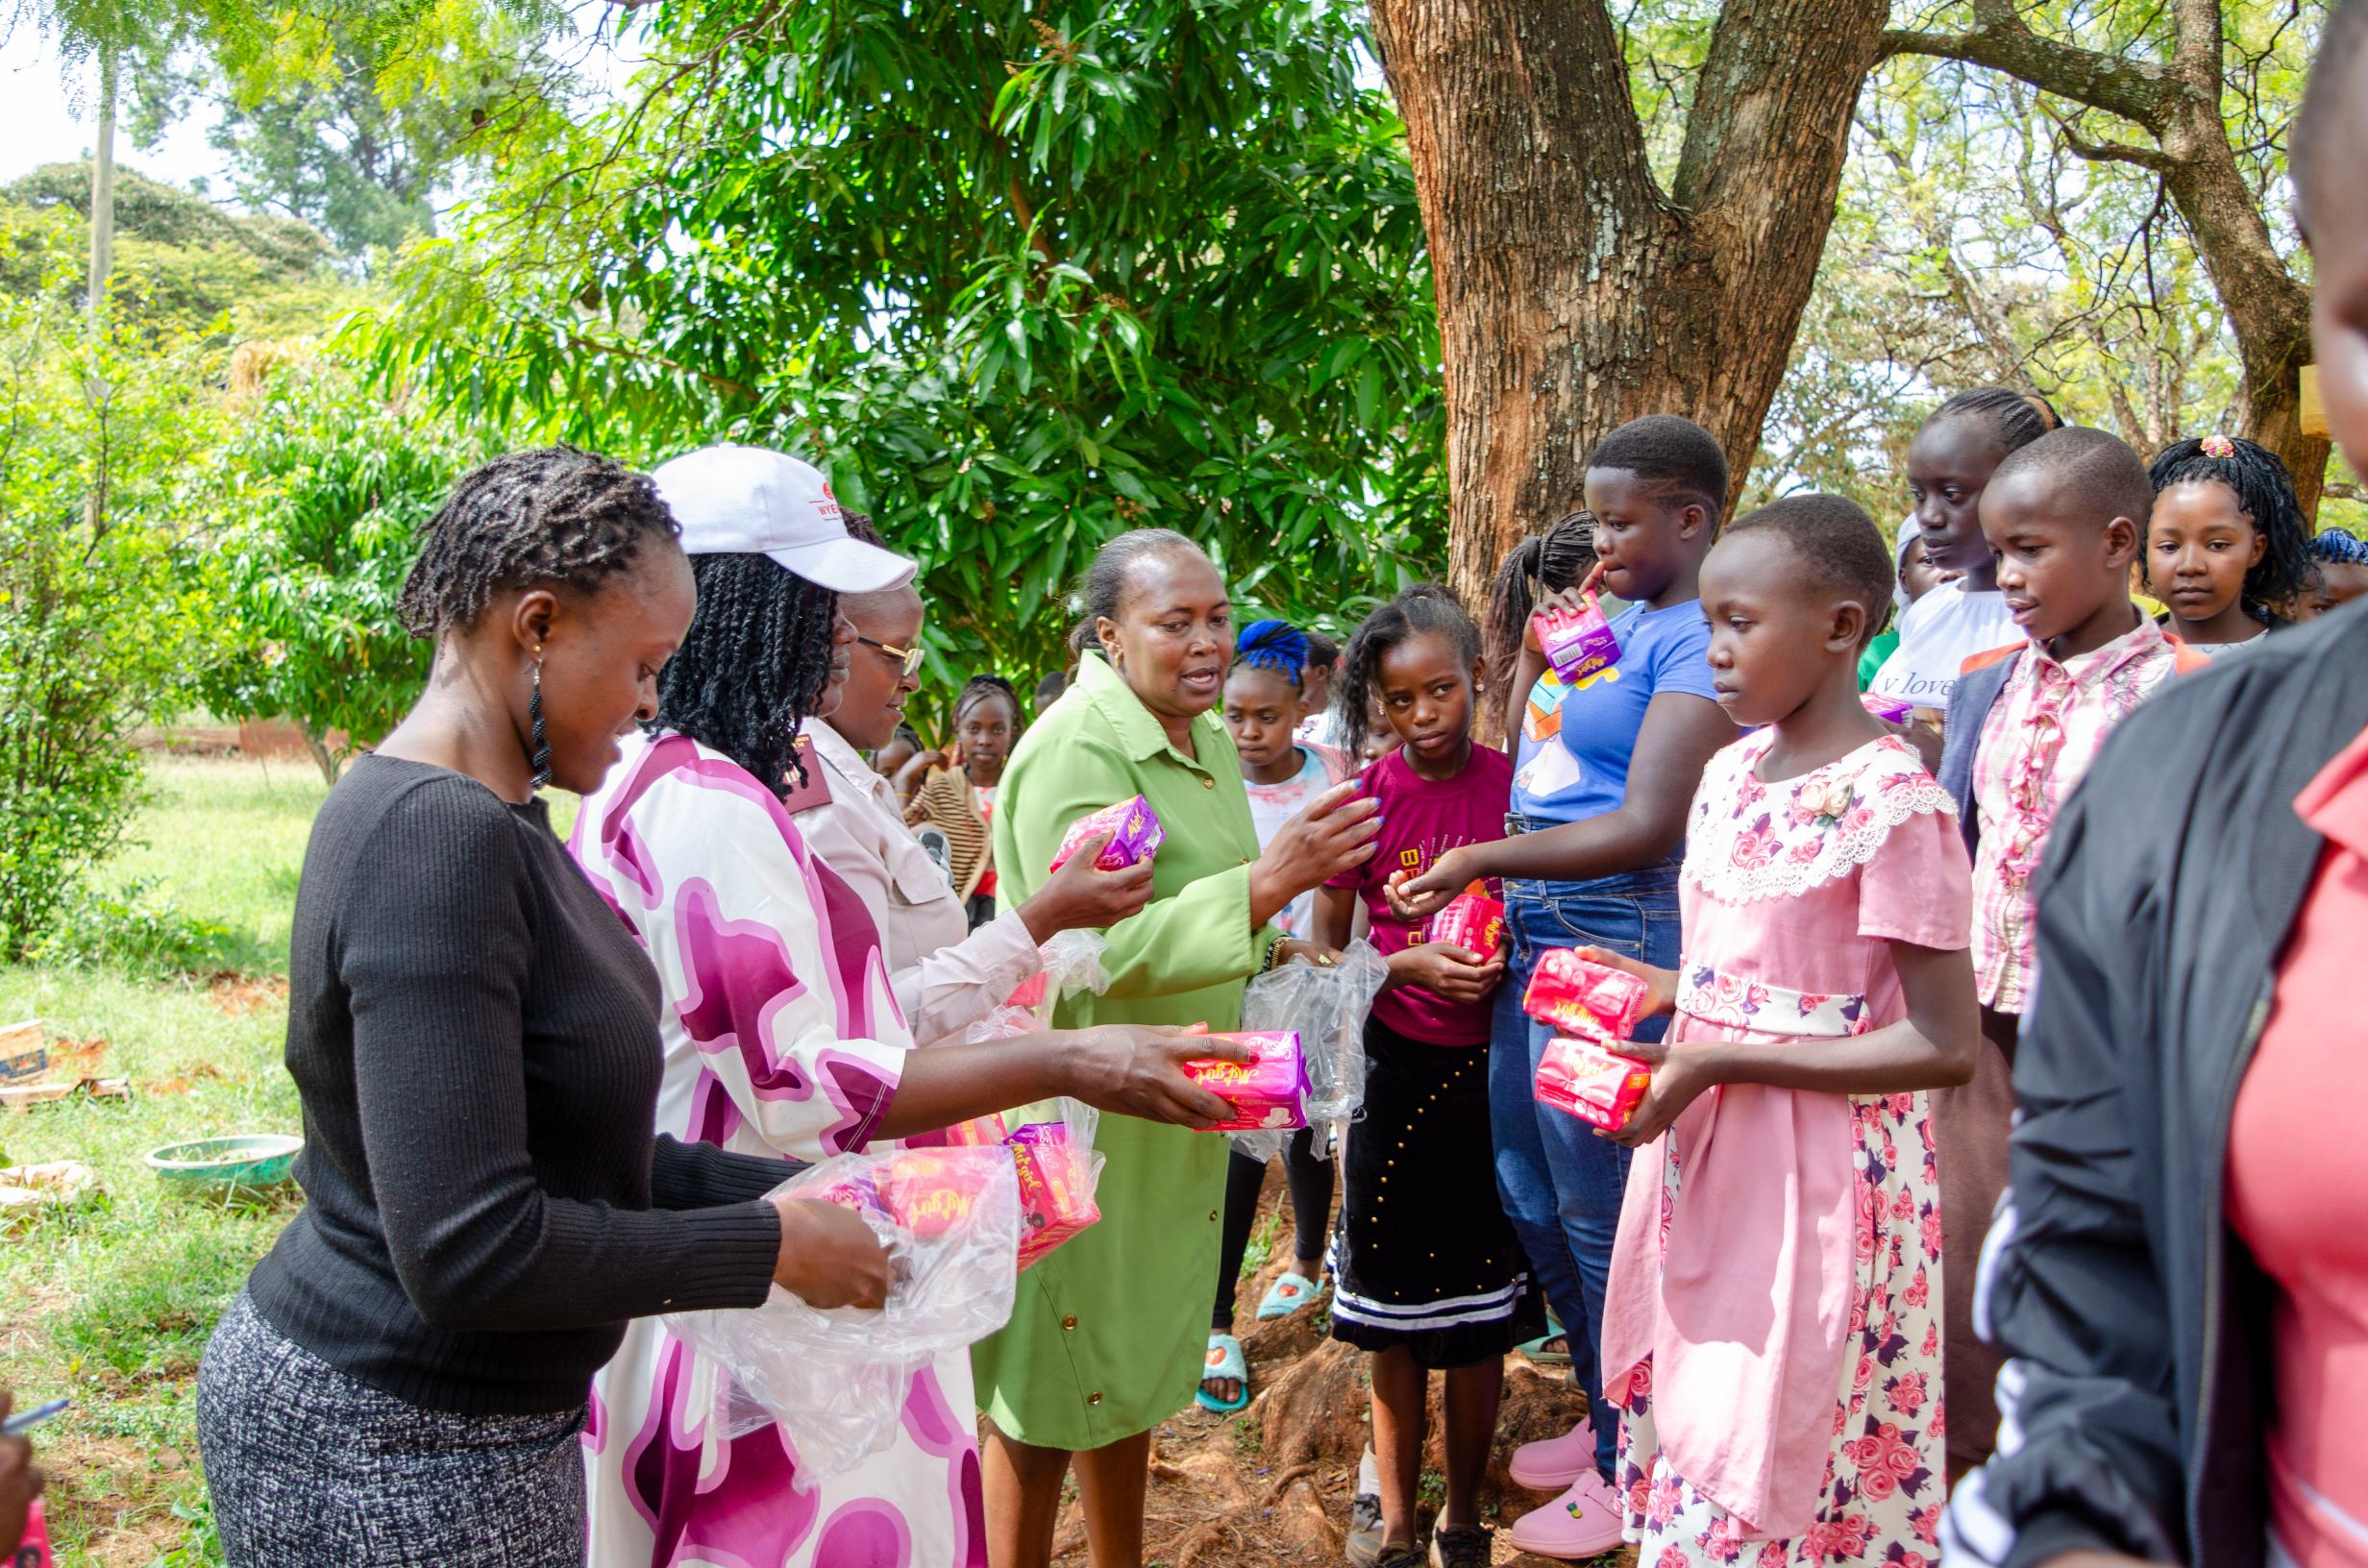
<point>1271,1485</point>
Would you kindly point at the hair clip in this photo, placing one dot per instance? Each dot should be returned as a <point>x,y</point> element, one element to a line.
<point>2219,446</point>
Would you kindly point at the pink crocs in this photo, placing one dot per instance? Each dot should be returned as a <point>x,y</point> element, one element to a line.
<point>1584,1522</point>
<point>1550,1465</point>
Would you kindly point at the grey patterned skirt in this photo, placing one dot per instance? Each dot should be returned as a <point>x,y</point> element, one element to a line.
<point>310,1467</point>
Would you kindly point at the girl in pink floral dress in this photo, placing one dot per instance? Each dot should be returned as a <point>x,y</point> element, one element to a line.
<point>1772,1329</point>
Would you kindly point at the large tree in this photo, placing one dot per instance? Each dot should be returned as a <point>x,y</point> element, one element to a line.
<point>2152,97</point>
<point>1576,289</point>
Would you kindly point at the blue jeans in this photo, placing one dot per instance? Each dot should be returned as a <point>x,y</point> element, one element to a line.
<point>1562,1185</point>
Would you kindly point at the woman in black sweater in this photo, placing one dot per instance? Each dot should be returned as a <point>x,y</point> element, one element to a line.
<point>473,1034</point>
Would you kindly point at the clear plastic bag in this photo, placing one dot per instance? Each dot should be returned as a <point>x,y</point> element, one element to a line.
<point>1327,1006</point>
<point>1073,963</point>
<point>835,1380</point>
<point>1079,1117</point>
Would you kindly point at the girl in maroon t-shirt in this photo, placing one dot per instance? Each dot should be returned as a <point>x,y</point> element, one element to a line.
<point>1428,1274</point>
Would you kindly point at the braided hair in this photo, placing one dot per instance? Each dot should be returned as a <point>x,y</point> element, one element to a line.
<point>983,687</point>
<point>753,664</point>
<point>1277,647</point>
<point>1553,561</point>
<point>2339,546</point>
<point>552,515</point>
<point>1426,607</point>
<point>2265,493</point>
<point>2015,418</point>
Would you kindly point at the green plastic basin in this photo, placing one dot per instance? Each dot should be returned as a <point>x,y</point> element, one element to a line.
<point>251,1159</point>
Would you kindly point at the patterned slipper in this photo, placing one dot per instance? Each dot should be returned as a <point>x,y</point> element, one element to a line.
<point>1290,1292</point>
<point>1224,1360</point>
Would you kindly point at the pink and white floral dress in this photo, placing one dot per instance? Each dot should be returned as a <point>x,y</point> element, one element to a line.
<point>781,1037</point>
<point>1772,1325</point>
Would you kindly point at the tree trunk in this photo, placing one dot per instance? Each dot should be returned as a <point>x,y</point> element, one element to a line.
<point>102,185</point>
<point>1573,293</point>
<point>329,762</point>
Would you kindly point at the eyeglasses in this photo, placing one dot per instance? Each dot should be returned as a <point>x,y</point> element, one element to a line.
<point>912,656</point>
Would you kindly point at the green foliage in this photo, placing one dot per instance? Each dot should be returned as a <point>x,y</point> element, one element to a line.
<point>351,118</point>
<point>183,265</point>
<point>135,928</point>
<point>1018,278</point>
<point>326,487</point>
<point>100,612</point>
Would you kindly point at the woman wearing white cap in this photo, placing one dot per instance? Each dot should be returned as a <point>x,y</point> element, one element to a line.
<point>781,1033</point>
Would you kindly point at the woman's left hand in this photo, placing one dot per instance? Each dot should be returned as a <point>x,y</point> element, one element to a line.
<point>1677,1082</point>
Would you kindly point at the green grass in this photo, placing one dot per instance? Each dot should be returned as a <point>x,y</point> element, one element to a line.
<point>111,1302</point>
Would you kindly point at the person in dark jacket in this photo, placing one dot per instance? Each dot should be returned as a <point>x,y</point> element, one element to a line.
<point>2179,1261</point>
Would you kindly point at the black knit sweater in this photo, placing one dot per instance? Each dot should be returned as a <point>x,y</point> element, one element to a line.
<point>474,1034</point>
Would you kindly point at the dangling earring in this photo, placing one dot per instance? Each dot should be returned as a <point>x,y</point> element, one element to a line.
<point>541,759</point>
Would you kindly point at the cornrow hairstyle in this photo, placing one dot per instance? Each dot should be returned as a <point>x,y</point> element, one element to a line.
<point>2014,418</point>
<point>982,688</point>
<point>1836,545</point>
<point>1104,588</point>
<point>2265,493</point>
<point>748,671</point>
<point>1277,647</point>
<point>1543,563</point>
<point>550,516</point>
<point>903,731</point>
<point>1426,607</point>
<point>2342,45</point>
<point>1672,454</point>
<point>2095,468</point>
<point>2339,547</point>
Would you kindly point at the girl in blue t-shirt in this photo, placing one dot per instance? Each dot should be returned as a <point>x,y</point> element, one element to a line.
<point>1604,773</point>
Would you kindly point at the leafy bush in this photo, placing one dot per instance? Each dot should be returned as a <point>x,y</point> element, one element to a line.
<point>102,615</point>
<point>133,929</point>
<point>327,486</point>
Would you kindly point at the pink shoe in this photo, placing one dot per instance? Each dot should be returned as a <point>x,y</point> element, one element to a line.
<point>1554,1463</point>
<point>1583,1522</point>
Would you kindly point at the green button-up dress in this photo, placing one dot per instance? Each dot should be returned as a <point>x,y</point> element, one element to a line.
<point>1108,1336</point>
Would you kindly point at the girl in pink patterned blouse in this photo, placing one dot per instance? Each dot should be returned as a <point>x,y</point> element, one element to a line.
<point>1772,1327</point>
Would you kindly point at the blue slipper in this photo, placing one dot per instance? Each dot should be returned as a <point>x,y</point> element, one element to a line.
<point>1536,1349</point>
<point>1289,1292</point>
<point>1224,1360</point>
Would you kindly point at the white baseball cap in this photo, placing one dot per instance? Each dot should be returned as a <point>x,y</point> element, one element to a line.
<point>733,500</point>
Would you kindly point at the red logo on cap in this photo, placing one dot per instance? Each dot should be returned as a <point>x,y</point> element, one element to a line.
<point>830,503</point>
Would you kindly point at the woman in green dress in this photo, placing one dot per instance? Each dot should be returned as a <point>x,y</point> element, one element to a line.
<point>1107,1338</point>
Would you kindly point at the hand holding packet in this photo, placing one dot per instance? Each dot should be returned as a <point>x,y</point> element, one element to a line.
<point>1582,997</point>
<point>836,1380</point>
<point>1596,1085</point>
<point>1577,642</point>
<point>1134,830</point>
<point>1268,1092</point>
<point>1472,920</point>
<point>1326,1005</point>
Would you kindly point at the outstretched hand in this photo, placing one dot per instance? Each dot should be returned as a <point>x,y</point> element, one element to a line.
<point>1082,895</point>
<point>1416,897</point>
<point>1138,1071</point>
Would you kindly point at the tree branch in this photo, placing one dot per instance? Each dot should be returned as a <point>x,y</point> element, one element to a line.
<point>2134,90</point>
<point>2112,152</point>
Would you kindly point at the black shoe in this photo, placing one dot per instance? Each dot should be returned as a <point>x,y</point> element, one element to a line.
<point>1466,1546</point>
<point>1402,1556</point>
<point>1364,1547</point>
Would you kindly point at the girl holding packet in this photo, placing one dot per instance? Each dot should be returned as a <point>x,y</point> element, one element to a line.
<point>1772,1331</point>
<point>1428,1275</point>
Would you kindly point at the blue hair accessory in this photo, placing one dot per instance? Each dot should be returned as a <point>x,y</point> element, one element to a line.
<point>2338,547</point>
<point>1277,646</point>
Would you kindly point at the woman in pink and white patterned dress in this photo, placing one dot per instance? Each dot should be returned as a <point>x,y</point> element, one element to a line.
<point>1772,1329</point>
<point>782,1038</point>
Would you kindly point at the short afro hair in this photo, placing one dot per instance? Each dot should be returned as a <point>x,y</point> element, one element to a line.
<point>2342,44</point>
<point>2093,468</point>
<point>549,517</point>
<point>1670,454</point>
<point>1838,546</point>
